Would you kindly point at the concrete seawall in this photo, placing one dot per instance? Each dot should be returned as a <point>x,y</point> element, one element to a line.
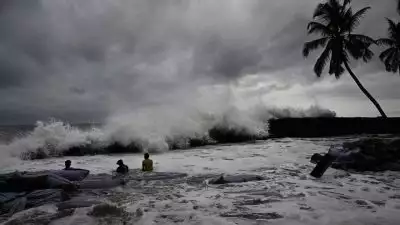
<point>336,126</point>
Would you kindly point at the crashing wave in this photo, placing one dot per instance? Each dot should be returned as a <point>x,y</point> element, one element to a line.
<point>145,132</point>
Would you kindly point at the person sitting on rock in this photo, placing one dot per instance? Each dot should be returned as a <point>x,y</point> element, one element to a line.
<point>122,168</point>
<point>147,164</point>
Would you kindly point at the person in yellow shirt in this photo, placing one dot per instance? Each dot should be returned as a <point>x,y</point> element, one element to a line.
<point>147,164</point>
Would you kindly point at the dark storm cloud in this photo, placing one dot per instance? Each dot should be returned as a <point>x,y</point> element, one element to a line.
<point>218,58</point>
<point>94,56</point>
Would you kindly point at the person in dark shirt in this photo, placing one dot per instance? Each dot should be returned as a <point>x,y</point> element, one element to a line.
<point>122,168</point>
<point>68,165</point>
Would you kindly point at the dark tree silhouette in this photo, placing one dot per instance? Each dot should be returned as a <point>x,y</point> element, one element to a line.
<point>390,57</point>
<point>398,6</point>
<point>335,22</point>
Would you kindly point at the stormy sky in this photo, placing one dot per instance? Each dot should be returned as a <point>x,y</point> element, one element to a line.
<point>83,61</point>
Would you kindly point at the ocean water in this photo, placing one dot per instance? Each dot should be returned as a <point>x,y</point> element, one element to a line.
<point>288,195</point>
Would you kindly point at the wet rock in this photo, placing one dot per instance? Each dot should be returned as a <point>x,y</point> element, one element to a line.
<point>39,218</point>
<point>251,202</point>
<point>297,195</point>
<point>139,212</point>
<point>396,196</point>
<point>220,206</point>
<point>174,218</point>
<point>77,203</point>
<point>361,202</point>
<point>157,176</point>
<point>372,154</point>
<point>306,208</point>
<point>103,210</point>
<point>257,201</point>
<point>364,203</point>
<point>235,179</point>
<point>366,189</point>
<point>379,203</point>
<point>254,216</point>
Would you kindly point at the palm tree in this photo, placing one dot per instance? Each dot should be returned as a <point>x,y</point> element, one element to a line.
<point>335,22</point>
<point>390,57</point>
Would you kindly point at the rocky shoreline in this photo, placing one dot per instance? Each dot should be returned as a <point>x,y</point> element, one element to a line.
<point>372,154</point>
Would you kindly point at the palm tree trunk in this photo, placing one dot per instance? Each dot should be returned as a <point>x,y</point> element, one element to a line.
<point>365,90</point>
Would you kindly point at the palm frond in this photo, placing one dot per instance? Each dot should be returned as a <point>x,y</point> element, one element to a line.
<point>395,62</point>
<point>316,27</point>
<point>360,13</point>
<point>323,12</point>
<point>354,20</point>
<point>386,42</point>
<point>348,14</point>
<point>367,55</point>
<point>334,4</point>
<point>346,2</point>
<point>344,59</point>
<point>335,61</point>
<point>399,68</point>
<point>327,12</point>
<point>392,31</point>
<point>321,62</point>
<point>354,50</point>
<point>336,67</point>
<point>339,71</point>
<point>362,38</point>
<point>388,60</point>
<point>319,10</point>
<point>358,46</point>
<point>386,53</point>
<point>313,45</point>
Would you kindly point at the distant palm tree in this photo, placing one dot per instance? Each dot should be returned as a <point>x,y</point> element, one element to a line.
<point>335,22</point>
<point>391,56</point>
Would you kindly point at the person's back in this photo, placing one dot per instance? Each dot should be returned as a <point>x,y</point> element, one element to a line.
<point>68,165</point>
<point>147,164</point>
<point>122,168</point>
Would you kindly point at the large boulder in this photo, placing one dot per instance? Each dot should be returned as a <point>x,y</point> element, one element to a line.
<point>372,154</point>
<point>14,202</point>
<point>72,174</point>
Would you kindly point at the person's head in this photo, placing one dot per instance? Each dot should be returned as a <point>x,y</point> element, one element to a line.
<point>316,158</point>
<point>146,155</point>
<point>120,162</point>
<point>68,164</point>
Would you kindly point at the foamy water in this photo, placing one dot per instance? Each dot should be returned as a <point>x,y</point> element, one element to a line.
<point>287,196</point>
